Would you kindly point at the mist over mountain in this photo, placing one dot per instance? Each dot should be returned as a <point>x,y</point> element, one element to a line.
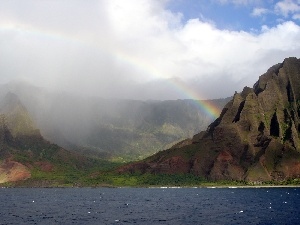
<point>111,128</point>
<point>24,152</point>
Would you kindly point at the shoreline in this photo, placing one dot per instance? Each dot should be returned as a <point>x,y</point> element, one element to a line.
<point>257,186</point>
<point>162,187</point>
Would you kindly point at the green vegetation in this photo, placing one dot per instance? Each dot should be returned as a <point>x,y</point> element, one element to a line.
<point>67,174</point>
<point>134,180</point>
<point>109,179</point>
<point>147,180</point>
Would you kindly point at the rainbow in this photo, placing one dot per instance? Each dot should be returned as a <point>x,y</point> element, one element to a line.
<point>210,109</point>
<point>180,87</point>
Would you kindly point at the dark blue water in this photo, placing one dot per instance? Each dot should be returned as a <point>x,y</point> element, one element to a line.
<point>149,206</point>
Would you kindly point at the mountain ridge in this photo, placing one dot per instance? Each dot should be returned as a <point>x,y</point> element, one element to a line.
<point>255,138</point>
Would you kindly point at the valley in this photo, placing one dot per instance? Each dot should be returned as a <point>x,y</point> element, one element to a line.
<point>112,129</point>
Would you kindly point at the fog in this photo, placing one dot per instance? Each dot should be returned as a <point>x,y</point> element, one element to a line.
<point>109,128</point>
<point>134,49</point>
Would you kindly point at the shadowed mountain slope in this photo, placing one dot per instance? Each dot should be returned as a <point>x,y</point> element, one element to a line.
<point>255,138</point>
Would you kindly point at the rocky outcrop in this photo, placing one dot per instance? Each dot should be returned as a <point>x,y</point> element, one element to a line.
<point>256,137</point>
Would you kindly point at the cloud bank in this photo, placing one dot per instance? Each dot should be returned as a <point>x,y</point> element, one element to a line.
<point>136,49</point>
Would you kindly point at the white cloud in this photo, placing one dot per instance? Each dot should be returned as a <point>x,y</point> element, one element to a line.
<point>287,7</point>
<point>115,48</point>
<point>259,11</point>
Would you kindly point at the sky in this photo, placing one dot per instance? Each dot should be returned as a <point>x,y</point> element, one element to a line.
<point>146,49</point>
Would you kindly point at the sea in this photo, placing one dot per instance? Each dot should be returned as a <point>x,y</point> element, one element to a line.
<point>150,206</point>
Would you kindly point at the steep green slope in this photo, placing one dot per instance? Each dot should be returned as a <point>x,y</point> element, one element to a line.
<point>16,116</point>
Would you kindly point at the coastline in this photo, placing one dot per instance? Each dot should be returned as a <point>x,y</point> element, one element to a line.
<point>154,186</point>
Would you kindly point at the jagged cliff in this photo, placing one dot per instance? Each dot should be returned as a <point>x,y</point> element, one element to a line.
<point>256,137</point>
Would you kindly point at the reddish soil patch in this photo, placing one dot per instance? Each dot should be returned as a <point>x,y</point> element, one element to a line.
<point>13,171</point>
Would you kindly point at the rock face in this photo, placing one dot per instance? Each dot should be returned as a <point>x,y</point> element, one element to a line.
<point>256,137</point>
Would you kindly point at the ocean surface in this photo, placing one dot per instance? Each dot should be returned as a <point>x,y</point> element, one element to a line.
<point>150,206</point>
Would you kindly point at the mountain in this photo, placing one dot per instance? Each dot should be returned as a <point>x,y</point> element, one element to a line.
<point>111,128</point>
<point>24,153</point>
<point>255,138</point>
